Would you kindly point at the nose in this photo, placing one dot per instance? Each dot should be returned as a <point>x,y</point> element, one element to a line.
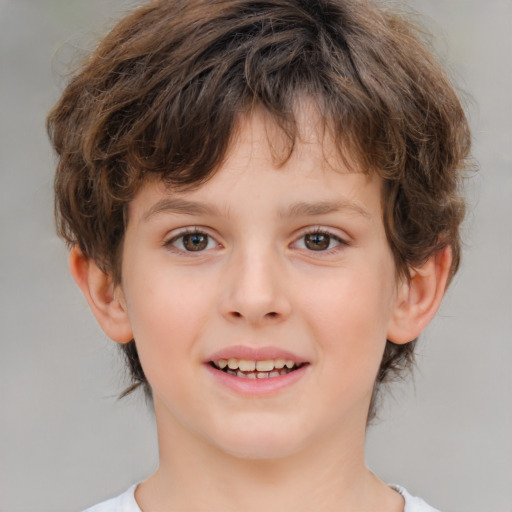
<point>255,289</point>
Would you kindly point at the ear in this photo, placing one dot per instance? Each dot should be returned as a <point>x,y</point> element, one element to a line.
<point>106,303</point>
<point>418,298</point>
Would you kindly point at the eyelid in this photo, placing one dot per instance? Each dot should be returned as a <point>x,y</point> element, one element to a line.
<point>343,240</point>
<point>190,230</point>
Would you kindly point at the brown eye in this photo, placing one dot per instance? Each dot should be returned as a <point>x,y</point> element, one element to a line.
<point>195,241</point>
<point>192,241</point>
<point>317,241</point>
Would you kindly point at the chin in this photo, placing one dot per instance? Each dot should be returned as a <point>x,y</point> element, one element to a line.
<point>260,451</point>
<point>260,442</point>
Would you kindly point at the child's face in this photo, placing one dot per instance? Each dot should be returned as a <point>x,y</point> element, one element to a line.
<point>262,264</point>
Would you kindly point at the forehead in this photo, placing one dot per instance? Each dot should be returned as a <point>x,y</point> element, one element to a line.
<point>303,134</point>
<point>263,166</point>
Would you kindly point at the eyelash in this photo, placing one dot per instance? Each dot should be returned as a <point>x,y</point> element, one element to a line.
<point>332,237</point>
<point>316,231</point>
<point>189,231</point>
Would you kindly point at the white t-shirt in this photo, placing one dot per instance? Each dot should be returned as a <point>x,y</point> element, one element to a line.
<point>126,503</point>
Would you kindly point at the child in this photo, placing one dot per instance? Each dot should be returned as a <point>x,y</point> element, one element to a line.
<point>261,200</point>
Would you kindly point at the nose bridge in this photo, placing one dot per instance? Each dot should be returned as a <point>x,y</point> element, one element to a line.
<point>256,289</point>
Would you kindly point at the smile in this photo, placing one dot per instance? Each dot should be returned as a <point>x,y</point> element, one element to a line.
<point>250,369</point>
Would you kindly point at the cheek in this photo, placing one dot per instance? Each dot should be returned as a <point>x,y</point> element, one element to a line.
<point>168,315</point>
<point>348,317</point>
<point>349,303</point>
<point>165,299</point>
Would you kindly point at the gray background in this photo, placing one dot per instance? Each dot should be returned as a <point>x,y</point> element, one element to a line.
<point>66,442</point>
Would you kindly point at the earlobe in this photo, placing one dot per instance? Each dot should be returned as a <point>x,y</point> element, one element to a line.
<point>106,303</point>
<point>419,298</point>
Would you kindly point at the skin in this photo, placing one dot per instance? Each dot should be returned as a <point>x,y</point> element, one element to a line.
<point>260,281</point>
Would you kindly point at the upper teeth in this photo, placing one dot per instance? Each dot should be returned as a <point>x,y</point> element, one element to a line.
<point>245,365</point>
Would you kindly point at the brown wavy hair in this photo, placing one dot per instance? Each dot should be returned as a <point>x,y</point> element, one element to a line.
<point>163,92</point>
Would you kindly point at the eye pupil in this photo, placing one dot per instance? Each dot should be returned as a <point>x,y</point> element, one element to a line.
<point>195,241</point>
<point>317,241</point>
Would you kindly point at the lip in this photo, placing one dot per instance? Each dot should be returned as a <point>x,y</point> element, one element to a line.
<point>254,354</point>
<point>257,387</point>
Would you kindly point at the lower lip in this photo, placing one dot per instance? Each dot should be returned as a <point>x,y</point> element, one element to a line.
<point>257,387</point>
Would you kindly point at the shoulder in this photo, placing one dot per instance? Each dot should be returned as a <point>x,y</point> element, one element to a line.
<point>126,503</point>
<point>412,503</point>
<point>123,503</point>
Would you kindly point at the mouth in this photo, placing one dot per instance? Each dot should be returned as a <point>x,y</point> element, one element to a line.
<point>252,369</point>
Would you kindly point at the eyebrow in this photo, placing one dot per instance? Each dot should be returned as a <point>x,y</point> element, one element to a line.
<point>300,209</point>
<point>183,206</point>
<point>305,209</point>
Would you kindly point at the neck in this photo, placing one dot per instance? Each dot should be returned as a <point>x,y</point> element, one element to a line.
<point>331,476</point>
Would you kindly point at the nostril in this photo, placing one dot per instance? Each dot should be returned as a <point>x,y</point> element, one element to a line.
<point>271,315</point>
